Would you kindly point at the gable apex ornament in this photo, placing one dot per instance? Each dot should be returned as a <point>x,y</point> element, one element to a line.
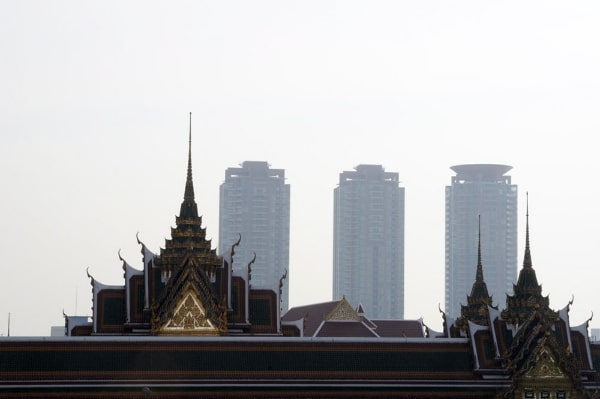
<point>545,365</point>
<point>189,317</point>
<point>343,311</point>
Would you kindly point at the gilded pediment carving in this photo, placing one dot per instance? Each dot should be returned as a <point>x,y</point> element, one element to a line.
<point>343,312</point>
<point>189,318</point>
<point>545,365</point>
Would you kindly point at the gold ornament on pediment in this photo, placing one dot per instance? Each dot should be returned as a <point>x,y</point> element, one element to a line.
<point>545,366</point>
<point>343,312</point>
<point>189,317</point>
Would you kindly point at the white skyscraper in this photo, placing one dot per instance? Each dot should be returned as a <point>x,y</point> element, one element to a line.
<point>255,202</point>
<point>480,189</point>
<point>368,258</point>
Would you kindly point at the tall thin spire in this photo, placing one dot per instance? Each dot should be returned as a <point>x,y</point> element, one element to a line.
<point>476,310</point>
<point>189,185</point>
<point>188,206</point>
<point>527,258</point>
<point>479,291</point>
<point>527,293</point>
<point>479,275</point>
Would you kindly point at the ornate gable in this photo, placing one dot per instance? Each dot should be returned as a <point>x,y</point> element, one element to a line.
<point>540,365</point>
<point>343,311</point>
<point>545,365</point>
<point>188,304</point>
<point>189,317</point>
<point>547,374</point>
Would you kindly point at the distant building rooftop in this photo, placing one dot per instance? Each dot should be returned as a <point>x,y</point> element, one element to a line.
<point>480,171</point>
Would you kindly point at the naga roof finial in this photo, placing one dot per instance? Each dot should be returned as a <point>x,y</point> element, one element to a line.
<point>249,267</point>
<point>283,277</point>
<point>441,311</point>
<point>87,271</point>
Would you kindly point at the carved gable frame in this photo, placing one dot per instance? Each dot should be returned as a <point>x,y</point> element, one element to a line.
<point>189,316</point>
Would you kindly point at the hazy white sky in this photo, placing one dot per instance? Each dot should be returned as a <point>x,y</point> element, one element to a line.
<point>94,102</point>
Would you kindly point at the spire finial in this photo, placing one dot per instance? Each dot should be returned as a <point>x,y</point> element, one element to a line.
<point>527,259</point>
<point>479,275</point>
<point>189,168</point>
<point>188,207</point>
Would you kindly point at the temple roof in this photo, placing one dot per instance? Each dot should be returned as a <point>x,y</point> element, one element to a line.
<point>313,315</point>
<point>399,328</point>
<point>339,319</point>
<point>345,329</point>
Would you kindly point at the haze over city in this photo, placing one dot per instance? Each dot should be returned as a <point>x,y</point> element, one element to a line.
<point>94,121</point>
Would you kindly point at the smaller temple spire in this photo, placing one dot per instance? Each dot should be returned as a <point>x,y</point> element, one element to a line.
<point>527,293</point>
<point>478,303</point>
<point>479,291</point>
<point>527,279</point>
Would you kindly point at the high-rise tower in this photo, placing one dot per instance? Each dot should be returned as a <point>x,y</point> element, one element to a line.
<point>480,190</point>
<point>368,242</point>
<point>255,203</point>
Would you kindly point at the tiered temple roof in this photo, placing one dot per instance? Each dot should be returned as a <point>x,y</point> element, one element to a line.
<point>528,342</point>
<point>187,289</point>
